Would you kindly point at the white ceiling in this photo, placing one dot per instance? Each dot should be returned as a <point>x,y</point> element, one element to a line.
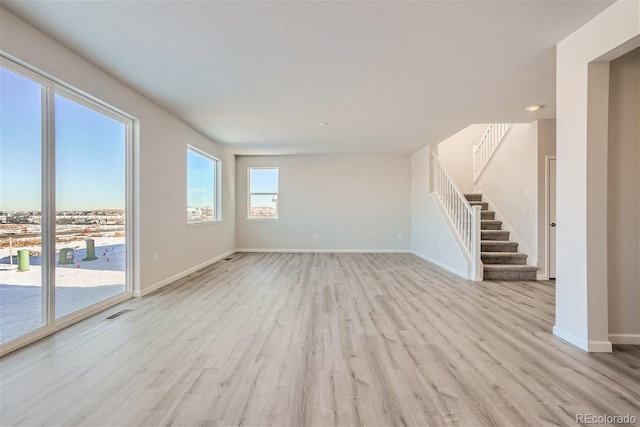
<point>388,77</point>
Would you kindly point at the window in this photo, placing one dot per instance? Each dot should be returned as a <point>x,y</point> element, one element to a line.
<point>202,187</point>
<point>263,193</point>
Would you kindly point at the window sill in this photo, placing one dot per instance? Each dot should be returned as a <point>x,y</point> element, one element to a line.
<point>263,219</point>
<point>199,223</point>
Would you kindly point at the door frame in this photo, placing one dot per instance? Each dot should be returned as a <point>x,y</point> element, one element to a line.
<point>547,221</point>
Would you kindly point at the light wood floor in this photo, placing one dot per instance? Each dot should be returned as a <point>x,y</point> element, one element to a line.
<point>320,339</point>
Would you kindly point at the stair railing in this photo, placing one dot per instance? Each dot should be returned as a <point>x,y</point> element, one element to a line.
<point>486,149</point>
<point>464,218</point>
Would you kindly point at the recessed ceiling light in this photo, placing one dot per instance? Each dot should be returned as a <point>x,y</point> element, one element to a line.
<point>323,124</point>
<point>534,107</point>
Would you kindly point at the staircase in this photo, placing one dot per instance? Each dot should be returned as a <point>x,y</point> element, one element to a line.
<point>500,257</point>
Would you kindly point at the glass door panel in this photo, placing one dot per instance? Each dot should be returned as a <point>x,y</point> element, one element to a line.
<point>22,306</point>
<point>90,259</point>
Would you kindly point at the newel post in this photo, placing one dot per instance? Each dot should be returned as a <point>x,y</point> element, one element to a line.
<point>476,262</point>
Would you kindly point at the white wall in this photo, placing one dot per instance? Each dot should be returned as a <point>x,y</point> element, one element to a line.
<point>510,184</point>
<point>582,116</point>
<point>354,202</point>
<point>456,154</point>
<point>624,199</point>
<point>431,238</point>
<point>162,159</point>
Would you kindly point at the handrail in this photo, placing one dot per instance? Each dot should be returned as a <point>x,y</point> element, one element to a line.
<point>486,149</point>
<point>464,218</point>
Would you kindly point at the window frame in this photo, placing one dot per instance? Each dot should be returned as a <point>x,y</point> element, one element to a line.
<point>217,187</point>
<point>249,194</point>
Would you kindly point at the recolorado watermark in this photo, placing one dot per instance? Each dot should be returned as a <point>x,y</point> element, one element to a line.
<point>605,419</point>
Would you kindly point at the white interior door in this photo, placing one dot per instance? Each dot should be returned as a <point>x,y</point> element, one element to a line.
<point>552,218</point>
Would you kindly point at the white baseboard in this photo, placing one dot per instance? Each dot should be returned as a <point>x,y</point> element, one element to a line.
<point>356,251</point>
<point>570,338</point>
<point>440,264</point>
<point>600,347</point>
<point>590,346</point>
<point>542,277</point>
<point>633,339</point>
<point>175,277</point>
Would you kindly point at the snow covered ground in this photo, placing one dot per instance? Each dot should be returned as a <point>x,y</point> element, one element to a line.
<point>78,285</point>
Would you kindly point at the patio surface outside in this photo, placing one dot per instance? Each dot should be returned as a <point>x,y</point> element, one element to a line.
<point>78,285</point>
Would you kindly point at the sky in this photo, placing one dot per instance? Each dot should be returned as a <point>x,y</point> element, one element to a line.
<point>263,181</point>
<point>89,148</point>
<point>90,156</point>
<point>200,180</point>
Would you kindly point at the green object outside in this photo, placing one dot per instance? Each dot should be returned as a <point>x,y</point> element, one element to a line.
<point>91,250</point>
<point>66,256</point>
<point>23,260</point>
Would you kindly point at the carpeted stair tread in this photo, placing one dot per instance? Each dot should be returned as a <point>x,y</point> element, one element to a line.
<point>498,246</point>
<point>505,267</point>
<point>509,258</point>
<point>509,272</point>
<point>490,224</point>
<point>494,235</point>
<point>487,215</point>
<point>476,197</point>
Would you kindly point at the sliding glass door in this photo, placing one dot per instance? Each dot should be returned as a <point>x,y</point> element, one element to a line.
<point>90,173</point>
<point>64,201</point>
<point>21,292</point>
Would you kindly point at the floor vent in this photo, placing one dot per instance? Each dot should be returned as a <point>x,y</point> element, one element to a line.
<point>114,315</point>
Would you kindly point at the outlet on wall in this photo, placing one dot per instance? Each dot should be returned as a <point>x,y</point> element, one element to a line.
<point>399,235</point>
<point>315,236</point>
<point>155,258</point>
